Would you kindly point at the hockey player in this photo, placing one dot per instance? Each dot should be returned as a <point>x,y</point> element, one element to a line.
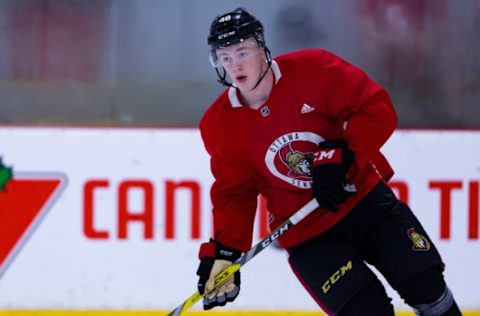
<point>310,125</point>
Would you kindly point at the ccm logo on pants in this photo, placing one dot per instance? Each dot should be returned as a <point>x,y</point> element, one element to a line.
<point>336,276</point>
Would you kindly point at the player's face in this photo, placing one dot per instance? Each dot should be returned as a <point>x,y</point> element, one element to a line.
<point>244,63</point>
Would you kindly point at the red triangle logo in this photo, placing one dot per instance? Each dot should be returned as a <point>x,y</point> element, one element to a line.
<point>23,204</point>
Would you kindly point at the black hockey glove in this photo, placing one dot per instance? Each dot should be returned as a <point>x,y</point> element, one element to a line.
<point>214,258</point>
<point>329,169</point>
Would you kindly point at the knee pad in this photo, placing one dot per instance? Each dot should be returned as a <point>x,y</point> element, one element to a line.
<point>426,287</point>
<point>440,307</point>
<point>428,294</point>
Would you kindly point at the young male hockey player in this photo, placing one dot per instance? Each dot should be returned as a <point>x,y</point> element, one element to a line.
<point>301,126</point>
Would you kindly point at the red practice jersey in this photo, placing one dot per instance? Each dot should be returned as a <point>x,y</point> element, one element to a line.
<point>316,96</point>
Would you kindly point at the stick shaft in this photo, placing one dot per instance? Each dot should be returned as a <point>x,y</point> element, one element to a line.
<point>222,277</point>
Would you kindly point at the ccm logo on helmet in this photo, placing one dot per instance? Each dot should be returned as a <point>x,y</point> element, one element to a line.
<point>225,35</point>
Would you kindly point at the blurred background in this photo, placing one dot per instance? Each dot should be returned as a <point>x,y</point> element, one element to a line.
<point>144,62</point>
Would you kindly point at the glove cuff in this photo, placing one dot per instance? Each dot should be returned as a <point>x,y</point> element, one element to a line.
<point>207,250</point>
<point>214,249</point>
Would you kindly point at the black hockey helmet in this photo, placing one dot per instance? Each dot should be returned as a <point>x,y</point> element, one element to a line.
<point>234,27</point>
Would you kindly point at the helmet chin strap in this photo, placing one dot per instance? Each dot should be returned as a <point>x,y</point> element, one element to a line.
<point>222,77</point>
<point>269,64</point>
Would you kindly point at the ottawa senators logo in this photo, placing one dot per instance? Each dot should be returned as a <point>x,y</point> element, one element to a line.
<point>420,243</point>
<point>289,156</point>
<point>297,162</point>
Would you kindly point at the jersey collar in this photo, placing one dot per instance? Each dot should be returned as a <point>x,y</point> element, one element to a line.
<point>232,91</point>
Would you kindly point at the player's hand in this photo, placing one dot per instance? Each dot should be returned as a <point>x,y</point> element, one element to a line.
<point>214,258</point>
<point>329,174</point>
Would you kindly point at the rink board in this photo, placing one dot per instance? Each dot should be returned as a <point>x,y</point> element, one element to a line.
<point>120,227</point>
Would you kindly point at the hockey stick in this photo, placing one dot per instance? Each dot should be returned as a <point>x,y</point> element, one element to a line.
<point>222,277</point>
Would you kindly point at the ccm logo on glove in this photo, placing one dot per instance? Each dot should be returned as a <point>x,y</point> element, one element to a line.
<point>327,156</point>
